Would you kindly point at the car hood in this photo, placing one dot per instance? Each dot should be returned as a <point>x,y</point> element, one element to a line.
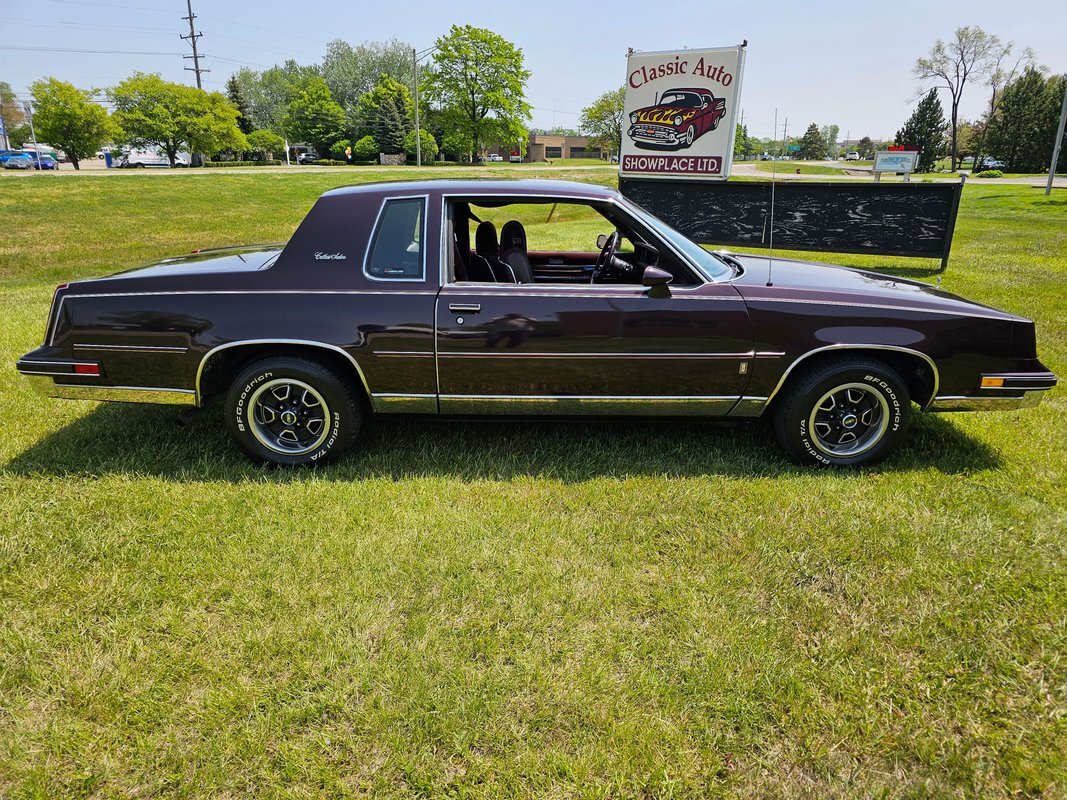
<point>663,113</point>
<point>823,283</point>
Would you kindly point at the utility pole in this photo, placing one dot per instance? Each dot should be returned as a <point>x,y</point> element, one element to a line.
<point>785,134</point>
<point>192,37</point>
<point>33,135</point>
<point>1059,143</point>
<point>416,57</point>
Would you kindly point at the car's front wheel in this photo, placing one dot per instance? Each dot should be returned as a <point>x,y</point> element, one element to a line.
<point>292,412</point>
<point>849,412</point>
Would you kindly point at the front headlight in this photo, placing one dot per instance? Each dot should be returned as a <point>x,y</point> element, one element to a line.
<point>678,120</point>
<point>633,117</point>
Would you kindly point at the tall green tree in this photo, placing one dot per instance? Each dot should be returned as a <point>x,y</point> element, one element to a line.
<point>865,147</point>
<point>268,93</point>
<point>171,116</point>
<point>742,143</point>
<point>351,72</point>
<point>1023,131</point>
<point>829,135</point>
<point>602,121</point>
<point>812,145</point>
<point>313,116</point>
<point>970,55</point>
<point>388,97</point>
<point>237,98</point>
<point>479,80</point>
<point>925,129</point>
<point>68,118</point>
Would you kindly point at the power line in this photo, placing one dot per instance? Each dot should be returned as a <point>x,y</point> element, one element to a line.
<point>85,50</point>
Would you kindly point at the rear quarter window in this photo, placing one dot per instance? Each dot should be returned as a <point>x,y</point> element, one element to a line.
<point>396,251</point>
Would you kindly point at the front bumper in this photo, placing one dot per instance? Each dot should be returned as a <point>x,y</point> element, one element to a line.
<point>654,134</point>
<point>1019,390</point>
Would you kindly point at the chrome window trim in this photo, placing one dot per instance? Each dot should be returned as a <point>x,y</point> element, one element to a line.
<point>893,348</point>
<point>425,198</point>
<point>304,342</point>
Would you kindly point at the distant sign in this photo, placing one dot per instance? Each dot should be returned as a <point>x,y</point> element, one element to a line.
<point>895,161</point>
<point>792,148</point>
<point>680,114</point>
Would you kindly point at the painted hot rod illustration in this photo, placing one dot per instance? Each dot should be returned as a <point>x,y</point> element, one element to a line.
<point>679,118</point>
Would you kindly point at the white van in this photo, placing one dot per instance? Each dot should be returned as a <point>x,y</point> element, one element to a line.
<point>135,159</point>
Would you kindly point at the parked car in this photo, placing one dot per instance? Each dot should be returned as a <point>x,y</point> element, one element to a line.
<point>680,117</point>
<point>852,156</point>
<point>396,299</point>
<point>515,158</point>
<point>989,163</point>
<point>495,157</point>
<point>142,160</point>
<point>19,161</point>
<point>6,154</point>
<point>45,162</point>
<point>307,158</point>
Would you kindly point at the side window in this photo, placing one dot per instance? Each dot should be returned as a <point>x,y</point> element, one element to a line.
<point>396,250</point>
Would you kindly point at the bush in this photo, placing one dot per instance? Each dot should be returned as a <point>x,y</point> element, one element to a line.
<point>446,163</point>
<point>337,150</point>
<point>266,142</point>
<point>272,163</point>
<point>366,149</point>
<point>990,173</point>
<point>330,162</point>
<point>426,142</point>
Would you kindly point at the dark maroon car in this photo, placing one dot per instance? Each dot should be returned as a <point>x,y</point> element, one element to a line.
<point>429,298</point>
<point>679,118</point>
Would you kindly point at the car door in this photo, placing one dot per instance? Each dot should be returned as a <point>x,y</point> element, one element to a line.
<point>591,349</point>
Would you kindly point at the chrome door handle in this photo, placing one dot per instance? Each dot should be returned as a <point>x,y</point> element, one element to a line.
<point>464,308</point>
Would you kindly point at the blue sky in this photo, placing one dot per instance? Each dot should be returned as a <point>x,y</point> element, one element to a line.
<point>815,61</point>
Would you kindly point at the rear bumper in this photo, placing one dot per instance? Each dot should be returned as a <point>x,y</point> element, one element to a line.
<point>58,378</point>
<point>1019,390</point>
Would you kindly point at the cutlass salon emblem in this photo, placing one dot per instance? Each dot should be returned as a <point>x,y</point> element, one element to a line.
<point>330,257</point>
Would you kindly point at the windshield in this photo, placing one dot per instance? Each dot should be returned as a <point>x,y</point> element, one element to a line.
<point>710,266</point>
<point>680,99</point>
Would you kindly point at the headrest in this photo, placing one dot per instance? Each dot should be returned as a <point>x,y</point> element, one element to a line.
<point>485,239</point>
<point>513,236</point>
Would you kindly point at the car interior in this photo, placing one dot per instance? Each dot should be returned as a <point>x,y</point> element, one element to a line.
<point>552,242</point>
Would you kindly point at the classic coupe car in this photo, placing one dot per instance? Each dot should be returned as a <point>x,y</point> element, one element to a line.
<point>679,118</point>
<point>427,298</point>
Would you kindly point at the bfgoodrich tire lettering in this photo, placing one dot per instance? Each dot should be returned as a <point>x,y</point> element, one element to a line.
<point>849,412</point>
<point>292,411</point>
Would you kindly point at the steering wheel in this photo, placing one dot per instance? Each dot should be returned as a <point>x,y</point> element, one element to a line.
<point>607,254</point>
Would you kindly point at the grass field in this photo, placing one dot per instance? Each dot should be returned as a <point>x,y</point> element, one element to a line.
<point>526,609</point>
<point>805,167</point>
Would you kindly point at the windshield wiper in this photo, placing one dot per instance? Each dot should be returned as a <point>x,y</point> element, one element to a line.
<point>729,261</point>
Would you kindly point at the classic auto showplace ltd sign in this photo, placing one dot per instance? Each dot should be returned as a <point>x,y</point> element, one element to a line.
<point>680,115</point>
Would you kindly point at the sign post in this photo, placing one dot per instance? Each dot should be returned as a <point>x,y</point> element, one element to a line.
<point>680,113</point>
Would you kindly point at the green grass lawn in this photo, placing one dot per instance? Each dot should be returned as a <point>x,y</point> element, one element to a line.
<point>521,609</point>
<point>805,167</point>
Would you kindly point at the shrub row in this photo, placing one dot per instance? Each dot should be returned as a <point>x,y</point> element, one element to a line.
<point>333,162</point>
<point>273,163</point>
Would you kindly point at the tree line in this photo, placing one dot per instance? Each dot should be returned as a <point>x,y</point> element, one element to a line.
<point>354,105</point>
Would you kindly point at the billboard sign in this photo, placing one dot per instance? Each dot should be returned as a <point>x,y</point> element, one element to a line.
<point>680,114</point>
<point>896,161</point>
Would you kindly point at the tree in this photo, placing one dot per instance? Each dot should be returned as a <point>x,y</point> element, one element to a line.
<point>18,136</point>
<point>391,126</point>
<point>1024,128</point>
<point>829,135</point>
<point>266,142</point>
<point>268,93</point>
<point>67,117</point>
<point>602,121</point>
<point>999,76</point>
<point>865,147</point>
<point>479,79</point>
<point>170,116</point>
<point>388,97</point>
<point>366,149</point>
<point>236,96</point>
<point>742,143</point>
<point>10,108</point>
<point>426,142</point>
<point>812,145</point>
<point>972,53</point>
<point>925,129</point>
<point>314,117</point>
<point>351,72</point>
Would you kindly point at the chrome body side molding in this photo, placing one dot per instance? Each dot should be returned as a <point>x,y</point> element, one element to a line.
<point>965,403</point>
<point>591,405</point>
<point>403,403</point>
<point>123,394</point>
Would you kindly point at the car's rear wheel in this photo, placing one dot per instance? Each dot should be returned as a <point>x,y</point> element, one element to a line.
<point>849,412</point>
<point>292,412</point>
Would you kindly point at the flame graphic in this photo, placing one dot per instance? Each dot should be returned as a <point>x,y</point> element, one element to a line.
<point>664,114</point>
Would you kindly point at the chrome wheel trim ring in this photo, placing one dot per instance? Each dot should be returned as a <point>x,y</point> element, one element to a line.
<point>282,400</point>
<point>851,406</point>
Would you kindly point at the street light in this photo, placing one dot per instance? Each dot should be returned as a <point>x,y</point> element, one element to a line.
<point>416,57</point>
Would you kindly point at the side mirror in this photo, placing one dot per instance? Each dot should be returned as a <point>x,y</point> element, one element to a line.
<point>601,240</point>
<point>656,280</point>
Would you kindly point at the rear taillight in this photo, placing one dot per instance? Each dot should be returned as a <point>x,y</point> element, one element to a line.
<point>86,369</point>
